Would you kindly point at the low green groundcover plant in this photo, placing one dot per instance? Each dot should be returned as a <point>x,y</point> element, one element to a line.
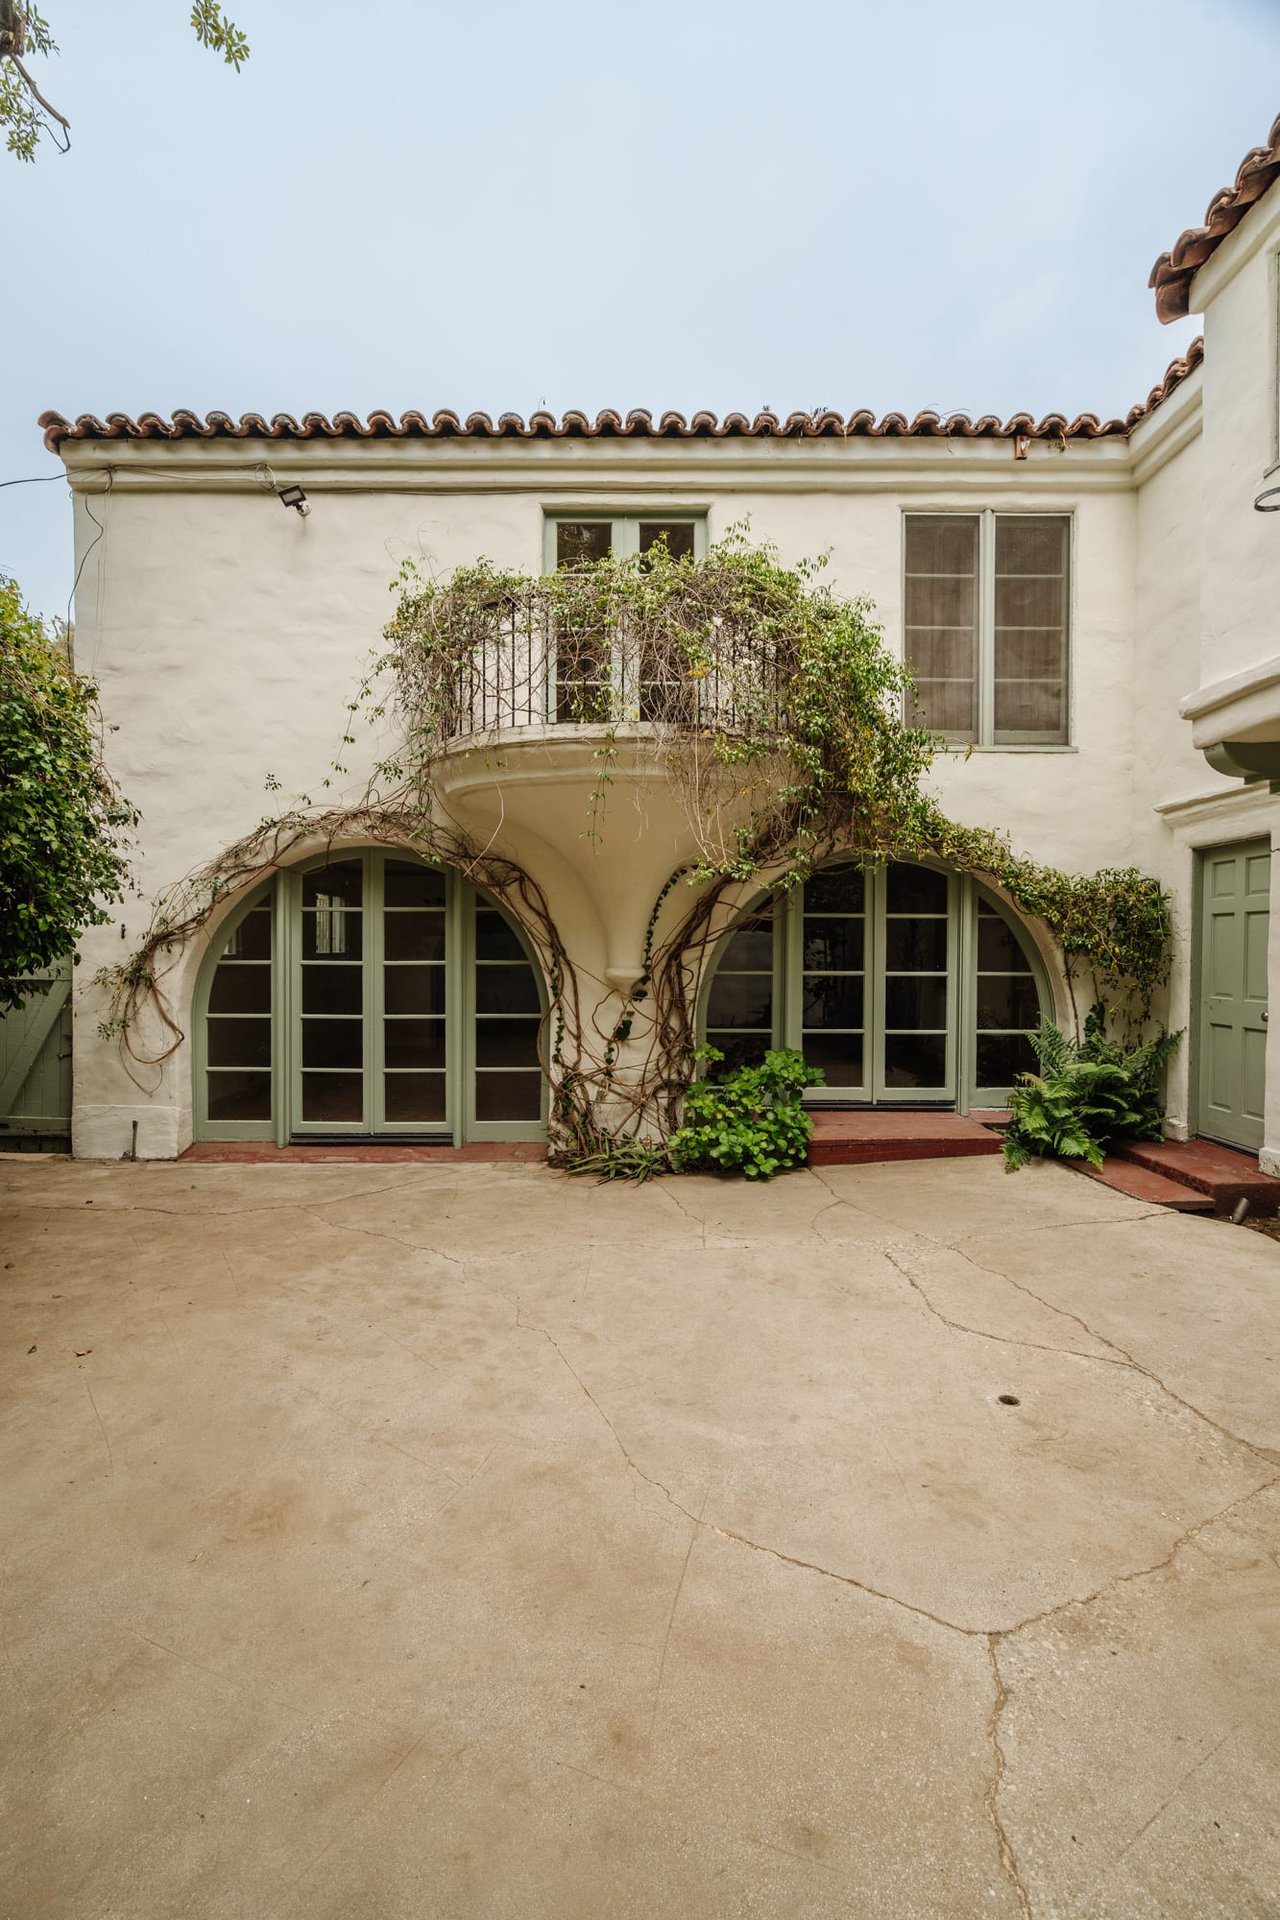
<point>752,1122</point>
<point>1087,1094</point>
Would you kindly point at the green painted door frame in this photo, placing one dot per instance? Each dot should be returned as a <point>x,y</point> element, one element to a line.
<point>460,1122</point>
<point>1233,918</point>
<point>959,1088</point>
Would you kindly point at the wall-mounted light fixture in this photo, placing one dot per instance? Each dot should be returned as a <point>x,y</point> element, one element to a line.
<point>1268,502</point>
<point>294,497</point>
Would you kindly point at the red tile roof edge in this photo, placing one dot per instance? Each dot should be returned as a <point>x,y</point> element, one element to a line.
<point>1174,271</point>
<point>637,425</point>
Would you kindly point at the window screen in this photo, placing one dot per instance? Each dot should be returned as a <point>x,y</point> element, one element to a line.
<point>942,619</point>
<point>1030,660</point>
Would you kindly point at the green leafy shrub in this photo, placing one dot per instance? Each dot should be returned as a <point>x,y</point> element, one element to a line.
<point>63,850</point>
<point>1088,1093</point>
<point>752,1122</point>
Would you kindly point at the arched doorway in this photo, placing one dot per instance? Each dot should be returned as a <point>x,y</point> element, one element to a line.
<point>907,984</point>
<point>369,995</point>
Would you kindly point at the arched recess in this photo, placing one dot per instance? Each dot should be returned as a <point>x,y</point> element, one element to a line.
<point>366,994</point>
<point>908,984</point>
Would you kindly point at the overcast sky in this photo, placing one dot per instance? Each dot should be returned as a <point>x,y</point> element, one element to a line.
<point>684,203</point>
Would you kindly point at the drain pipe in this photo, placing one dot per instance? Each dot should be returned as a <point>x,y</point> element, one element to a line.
<point>133,1145</point>
<point>1240,1212</point>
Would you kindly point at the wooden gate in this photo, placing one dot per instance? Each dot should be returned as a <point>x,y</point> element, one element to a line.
<point>35,1069</point>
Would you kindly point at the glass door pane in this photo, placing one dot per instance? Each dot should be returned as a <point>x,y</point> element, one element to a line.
<point>833,1018</point>
<point>508,1016</point>
<point>740,1001</point>
<point>331,1013</point>
<point>1007,1004</point>
<point>584,685</point>
<point>414,1028</point>
<point>917,996</point>
<point>238,1031</point>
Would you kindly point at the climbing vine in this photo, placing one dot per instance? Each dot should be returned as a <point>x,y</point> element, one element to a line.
<point>778,714</point>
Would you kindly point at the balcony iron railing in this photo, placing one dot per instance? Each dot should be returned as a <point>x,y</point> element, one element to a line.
<point>526,668</point>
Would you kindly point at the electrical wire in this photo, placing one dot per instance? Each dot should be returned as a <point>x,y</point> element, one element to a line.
<point>35,480</point>
<point>101,526</point>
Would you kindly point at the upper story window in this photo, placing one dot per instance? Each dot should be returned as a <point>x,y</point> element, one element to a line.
<point>987,625</point>
<point>601,676</point>
<point>575,540</point>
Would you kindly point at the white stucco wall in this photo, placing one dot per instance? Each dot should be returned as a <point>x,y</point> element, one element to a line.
<point>228,635</point>
<point>1237,292</point>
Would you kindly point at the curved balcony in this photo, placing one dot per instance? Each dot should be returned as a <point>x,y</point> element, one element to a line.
<point>561,750</point>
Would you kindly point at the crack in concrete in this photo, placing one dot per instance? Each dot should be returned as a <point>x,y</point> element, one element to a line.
<point>675,1602</point>
<point>1171,1796</point>
<point>111,1465</point>
<point>527,1326</point>
<point>982,1333</point>
<point>18,1204</point>
<point>1124,1358</point>
<point>991,1799</point>
<point>693,1218</point>
<point>1118,1356</point>
<point>1185,1539</point>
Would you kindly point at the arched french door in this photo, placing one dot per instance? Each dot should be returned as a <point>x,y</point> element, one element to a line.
<point>907,984</point>
<point>369,995</point>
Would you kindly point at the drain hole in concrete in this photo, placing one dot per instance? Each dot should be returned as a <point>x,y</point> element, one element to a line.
<point>1009,1400</point>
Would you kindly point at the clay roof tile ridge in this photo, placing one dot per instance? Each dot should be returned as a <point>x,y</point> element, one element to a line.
<point>1173,272</point>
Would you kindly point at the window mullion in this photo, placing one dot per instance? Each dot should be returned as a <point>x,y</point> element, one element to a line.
<point>788,965</point>
<point>460,1006</point>
<point>987,630</point>
<point>373,951</point>
<point>626,545</point>
<point>875,959</point>
<point>286,1041</point>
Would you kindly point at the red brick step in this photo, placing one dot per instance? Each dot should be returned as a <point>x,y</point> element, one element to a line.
<point>1204,1167</point>
<point>1139,1183</point>
<point>861,1138</point>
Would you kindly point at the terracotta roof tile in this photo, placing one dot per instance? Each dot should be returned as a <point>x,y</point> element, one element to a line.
<point>1174,271</point>
<point>637,425</point>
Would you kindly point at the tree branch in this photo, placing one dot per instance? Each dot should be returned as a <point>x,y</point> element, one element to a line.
<point>40,100</point>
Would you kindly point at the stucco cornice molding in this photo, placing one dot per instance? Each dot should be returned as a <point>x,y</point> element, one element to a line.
<point>691,474</point>
<point>1219,812</point>
<point>1165,433</point>
<point>1245,707</point>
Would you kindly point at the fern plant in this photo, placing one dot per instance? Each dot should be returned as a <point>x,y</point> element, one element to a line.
<point>1087,1094</point>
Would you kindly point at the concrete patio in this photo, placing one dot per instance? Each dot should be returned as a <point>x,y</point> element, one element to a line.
<point>388,1542</point>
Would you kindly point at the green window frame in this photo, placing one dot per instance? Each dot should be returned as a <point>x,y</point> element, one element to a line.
<point>475,986</point>
<point>980,629</point>
<point>594,678</point>
<point>983,937</point>
<point>627,528</point>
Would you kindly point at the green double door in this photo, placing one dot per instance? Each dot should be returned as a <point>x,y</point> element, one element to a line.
<point>905,984</point>
<point>371,995</point>
<point>1235,922</point>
